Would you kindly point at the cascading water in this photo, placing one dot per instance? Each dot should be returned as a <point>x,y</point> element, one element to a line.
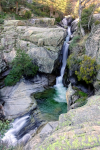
<point>17,125</point>
<point>60,89</point>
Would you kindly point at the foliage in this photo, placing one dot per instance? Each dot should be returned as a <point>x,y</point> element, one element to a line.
<point>88,70</point>
<point>97,22</point>
<point>28,14</point>
<point>87,17</point>
<point>4,125</point>
<point>81,94</point>
<point>58,19</point>
<point>73,62</point>
<point>68,7</point>
<point>1,21</point>
<point>74,41</point>
<point>22,66</point>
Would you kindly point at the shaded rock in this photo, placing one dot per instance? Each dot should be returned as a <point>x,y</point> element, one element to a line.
<point>51,80</point>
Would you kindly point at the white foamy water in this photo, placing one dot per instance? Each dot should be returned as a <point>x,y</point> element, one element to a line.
<point>60,89</point>
<point>16,126</point>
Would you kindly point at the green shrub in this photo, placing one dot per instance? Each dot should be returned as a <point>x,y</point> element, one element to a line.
<point>85,67</point>
<point>97,22</point>
<point>28,14</point>
<point>4,125</point>
<point>74,41</point>
<point>88,70</point>
<point>1,21</point>
<point>86,13</point>
<point>22,66</point>
<point>73,62</point>
<point>58,19</point>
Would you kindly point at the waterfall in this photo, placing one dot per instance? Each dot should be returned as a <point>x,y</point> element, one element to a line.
<point>17,125</point>
<point>60,89</point>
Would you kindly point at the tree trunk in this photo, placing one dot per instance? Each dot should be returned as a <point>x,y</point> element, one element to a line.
<point>16,7</point>
<point>80,12</point>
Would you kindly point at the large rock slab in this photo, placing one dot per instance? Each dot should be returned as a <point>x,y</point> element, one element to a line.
<point>18,99</point>
<point>42,44</point>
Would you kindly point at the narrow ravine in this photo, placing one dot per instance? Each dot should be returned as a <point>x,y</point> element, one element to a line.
<point>11,137</point>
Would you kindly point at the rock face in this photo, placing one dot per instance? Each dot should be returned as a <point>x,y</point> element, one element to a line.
<point>18,99</point>
<point>3,64</point>
<point>93,45</point>
<point>42,44</point>
<point>78,129</point>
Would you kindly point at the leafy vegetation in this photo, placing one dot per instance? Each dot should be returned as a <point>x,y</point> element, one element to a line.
<point>74,41</point>
<point>88,70</point>
<point>4,125</point>
<point>28,14</point>
<point>22,66</point>
<point>73,62</point>
<point>1,21</point>
<point>85,67</point>
<point>87,17</point>
<point>97,22</point>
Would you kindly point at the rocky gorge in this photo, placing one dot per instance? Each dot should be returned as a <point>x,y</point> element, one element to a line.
<point>43,45</point>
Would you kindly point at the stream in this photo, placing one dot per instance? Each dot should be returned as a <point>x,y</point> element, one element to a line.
<point>51,104</point>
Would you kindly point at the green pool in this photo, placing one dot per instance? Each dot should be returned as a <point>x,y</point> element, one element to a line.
<point>50,108</point>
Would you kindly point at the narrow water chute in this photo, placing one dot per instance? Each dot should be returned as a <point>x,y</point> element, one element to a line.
<point>60,89</point>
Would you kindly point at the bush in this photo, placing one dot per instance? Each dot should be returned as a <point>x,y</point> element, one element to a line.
<point>88,70</point>
<point>22,66</point>
<point>28,14</point>
<point>97,22</point>
<point>74,41</point>
<point>58,19</point>
<point>1,21</point>
<point>73,62</point>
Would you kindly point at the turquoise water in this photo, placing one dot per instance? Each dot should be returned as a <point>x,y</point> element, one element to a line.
<point>50,108</point>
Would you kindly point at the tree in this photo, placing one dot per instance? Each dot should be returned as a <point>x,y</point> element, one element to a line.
<point>83,4</point>
<point>68,7</point>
